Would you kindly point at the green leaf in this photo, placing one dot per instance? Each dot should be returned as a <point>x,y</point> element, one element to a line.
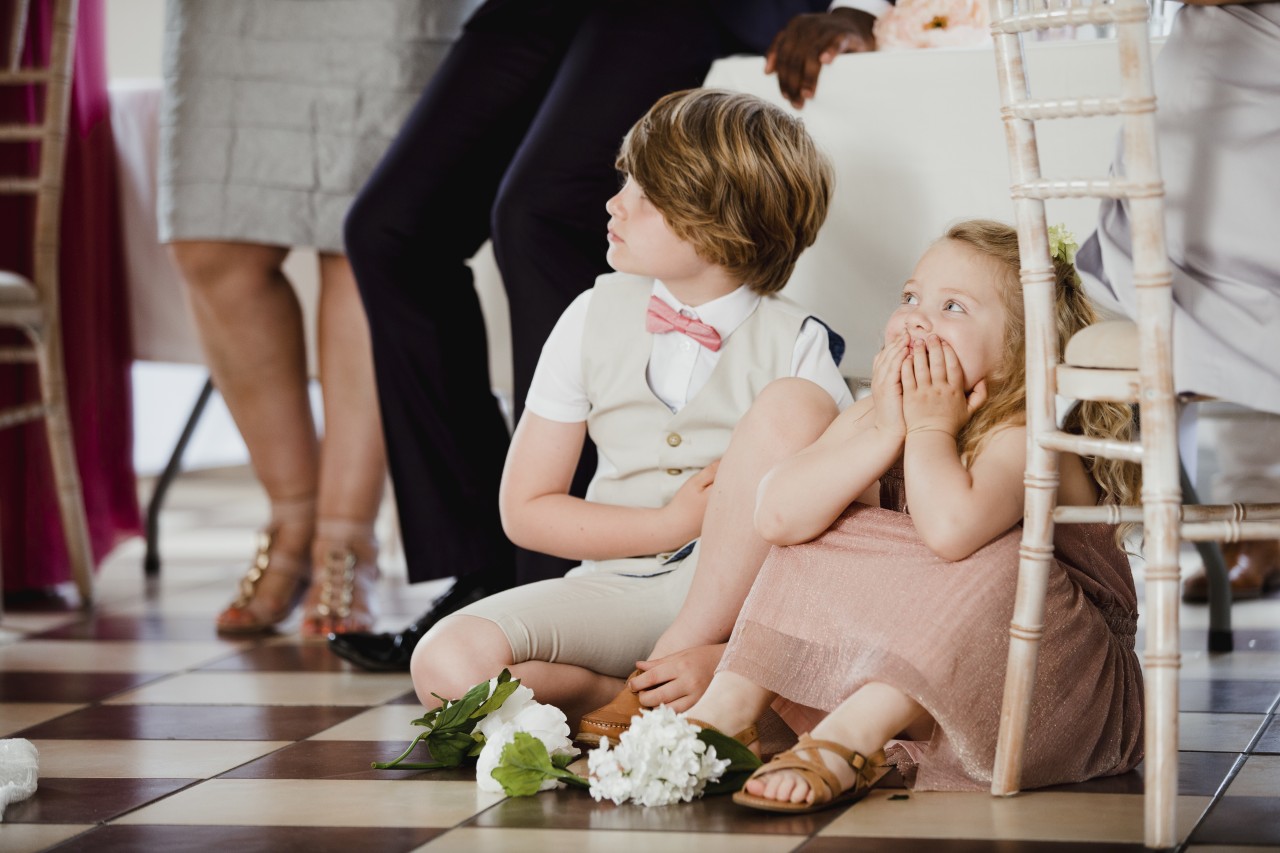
<point>500,694</point>
<point>456,716</point>
<point>740,757</point>
<point>449,748</point>
<point>731,781</point>
<point>524,766</point>
<point>563,760</point>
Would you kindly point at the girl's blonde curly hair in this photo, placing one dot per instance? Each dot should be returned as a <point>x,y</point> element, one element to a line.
<point>1119,482</point>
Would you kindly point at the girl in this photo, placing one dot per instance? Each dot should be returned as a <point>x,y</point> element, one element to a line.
<point>888,604</point>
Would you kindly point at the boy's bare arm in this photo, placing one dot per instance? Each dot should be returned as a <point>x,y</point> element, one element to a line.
<point>539,514</point>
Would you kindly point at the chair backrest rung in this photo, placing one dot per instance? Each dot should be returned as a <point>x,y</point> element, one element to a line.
<point>1033,110</point>
<point>1098,14</point>
<point>21,132</point>
<point>15,415</point>
<point>19,186</point>
<point>1093,188</point>
<point>18,355</point>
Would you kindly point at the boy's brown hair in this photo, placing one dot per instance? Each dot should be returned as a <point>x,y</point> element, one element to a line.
<point>736,177</point>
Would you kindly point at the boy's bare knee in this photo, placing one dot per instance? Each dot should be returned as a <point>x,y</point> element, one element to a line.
<point>457,654</point>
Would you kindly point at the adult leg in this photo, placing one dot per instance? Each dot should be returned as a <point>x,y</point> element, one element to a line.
<point>353,465</point>
<point>549,218</point>
<point>250,324</point>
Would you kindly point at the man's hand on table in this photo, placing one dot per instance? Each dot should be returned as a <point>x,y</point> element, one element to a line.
<point>809,42</point>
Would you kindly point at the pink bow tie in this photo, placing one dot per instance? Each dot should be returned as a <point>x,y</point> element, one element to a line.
<point>661,317</point>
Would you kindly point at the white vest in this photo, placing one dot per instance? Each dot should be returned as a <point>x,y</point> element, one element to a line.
<point>651,451</point>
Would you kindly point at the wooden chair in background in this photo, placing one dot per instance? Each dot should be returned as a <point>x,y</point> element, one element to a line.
<point>31,304</point>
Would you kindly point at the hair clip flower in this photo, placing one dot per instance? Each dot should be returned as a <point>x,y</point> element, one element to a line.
<point>1062,247</point>
<point>1062,244</point>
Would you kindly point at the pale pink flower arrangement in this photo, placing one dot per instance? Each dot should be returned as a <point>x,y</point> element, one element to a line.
<point>933,23</point>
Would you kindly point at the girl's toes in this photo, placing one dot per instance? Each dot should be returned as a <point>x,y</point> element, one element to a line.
<point>756,787</point>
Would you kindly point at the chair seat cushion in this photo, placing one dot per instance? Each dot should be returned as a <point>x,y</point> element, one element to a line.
<point>1112,345</point>
<point>16,290</point>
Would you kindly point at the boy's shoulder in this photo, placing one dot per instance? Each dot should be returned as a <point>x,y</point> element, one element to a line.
<point>611,281</point>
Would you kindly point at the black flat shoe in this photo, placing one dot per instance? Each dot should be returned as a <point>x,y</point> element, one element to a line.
<point>389,652</point>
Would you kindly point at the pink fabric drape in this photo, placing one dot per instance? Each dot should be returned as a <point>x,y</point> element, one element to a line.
<point>95,333</point>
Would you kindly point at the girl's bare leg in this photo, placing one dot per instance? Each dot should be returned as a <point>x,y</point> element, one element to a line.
<point>250,324</point>
<point>353,464</point>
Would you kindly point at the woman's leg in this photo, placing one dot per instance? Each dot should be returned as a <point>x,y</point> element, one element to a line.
<point>353,464</point>
<point>250,324</point>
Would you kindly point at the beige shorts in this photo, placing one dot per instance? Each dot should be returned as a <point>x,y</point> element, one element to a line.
<point>602,621</point>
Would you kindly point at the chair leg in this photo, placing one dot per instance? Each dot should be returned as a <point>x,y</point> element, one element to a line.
<point>66,472</point>
<point>151,562</point>
<point>1221,637</point>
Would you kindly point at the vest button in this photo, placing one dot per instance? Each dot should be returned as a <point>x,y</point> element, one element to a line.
<point>674,471</point>
<point>674,439</point>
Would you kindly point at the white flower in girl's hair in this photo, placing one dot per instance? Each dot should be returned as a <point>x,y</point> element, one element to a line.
<point>658,761</point>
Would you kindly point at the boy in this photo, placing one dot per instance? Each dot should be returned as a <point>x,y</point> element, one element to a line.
<point>658,363</point>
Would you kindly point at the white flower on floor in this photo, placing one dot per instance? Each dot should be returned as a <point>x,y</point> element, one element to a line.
<point>657,762</point>
<point>519,713</point>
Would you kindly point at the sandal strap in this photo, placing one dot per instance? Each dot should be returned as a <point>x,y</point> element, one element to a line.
<point>815,771</point>
<point>745,737</point>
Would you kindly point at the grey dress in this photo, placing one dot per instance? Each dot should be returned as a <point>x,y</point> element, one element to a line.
<point>1218,84</point>
<point>276,111</point>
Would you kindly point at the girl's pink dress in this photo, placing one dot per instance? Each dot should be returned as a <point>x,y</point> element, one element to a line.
<point>868,601</point>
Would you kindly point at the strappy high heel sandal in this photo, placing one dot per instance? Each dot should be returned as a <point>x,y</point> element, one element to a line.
<point>344,580</point>
<point>825,788</point>
<point>275,582</point>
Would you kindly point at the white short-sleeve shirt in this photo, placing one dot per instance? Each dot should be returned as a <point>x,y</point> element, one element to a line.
<point>678,366</point>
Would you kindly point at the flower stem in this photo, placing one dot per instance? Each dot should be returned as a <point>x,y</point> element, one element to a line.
<point>395,762</point>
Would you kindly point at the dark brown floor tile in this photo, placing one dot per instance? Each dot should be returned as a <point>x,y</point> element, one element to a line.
<point>193,722</point>
<point>409,698</point>
<point>248,839</point>
<point>285,657</point>
<point>960,845</point>
<point>1228,697</point>
<point>68,686</point>
<point>342,759</point>
<point>1241,820</point>
<point>574,809</point>
<point>52,599</point>
<point>152,626</point>
<point>1199,775</point>
<point>89,800</point>
<point>1269,743</point>
<point>1257,641</point>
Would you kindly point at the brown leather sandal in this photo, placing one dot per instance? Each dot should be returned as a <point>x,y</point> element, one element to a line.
<point>268,592</point>
<point>611,720</point>
<point>746,737</point>
<point>824,786</point>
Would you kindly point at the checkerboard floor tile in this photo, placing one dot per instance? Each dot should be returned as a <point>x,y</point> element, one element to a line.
<point>157,734</point>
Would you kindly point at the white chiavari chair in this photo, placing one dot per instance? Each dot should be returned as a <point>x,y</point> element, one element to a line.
<point>1126,362</point>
